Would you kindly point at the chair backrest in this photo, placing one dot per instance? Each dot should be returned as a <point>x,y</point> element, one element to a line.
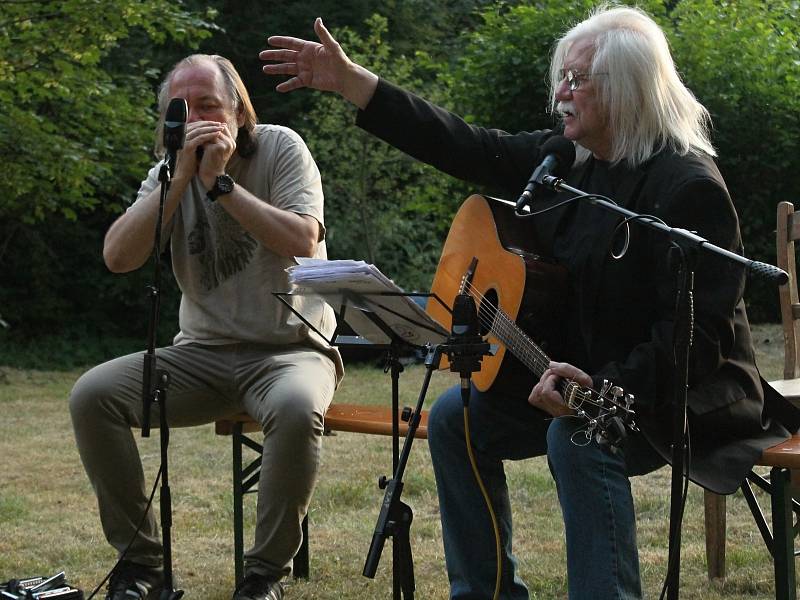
<point>788,231</point>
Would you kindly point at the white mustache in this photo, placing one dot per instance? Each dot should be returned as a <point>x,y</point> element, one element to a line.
<point>566,107</point>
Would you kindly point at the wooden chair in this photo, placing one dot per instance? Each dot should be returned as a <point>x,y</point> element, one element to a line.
<point>374,420</point>
<point>783,459</point>
<point>788,232</point>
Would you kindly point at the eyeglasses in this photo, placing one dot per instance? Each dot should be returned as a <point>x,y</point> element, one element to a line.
<point>575,78</point>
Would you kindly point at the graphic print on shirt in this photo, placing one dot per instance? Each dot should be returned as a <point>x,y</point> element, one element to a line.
<point>222,247</point>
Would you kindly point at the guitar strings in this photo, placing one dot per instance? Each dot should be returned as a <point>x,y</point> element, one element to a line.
<point>498,322</point>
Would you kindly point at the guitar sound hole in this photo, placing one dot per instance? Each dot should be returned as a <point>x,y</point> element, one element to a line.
<point>487,310</point>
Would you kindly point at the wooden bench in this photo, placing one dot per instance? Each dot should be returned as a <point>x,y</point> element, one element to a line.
<point>782,460</point>
<point>375,420</point>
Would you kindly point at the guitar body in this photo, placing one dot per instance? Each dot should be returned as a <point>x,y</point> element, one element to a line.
<point>526,287</point>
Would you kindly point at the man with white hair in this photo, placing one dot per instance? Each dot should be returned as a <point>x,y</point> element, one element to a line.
<point>642,139</point>
<point>245,199</point>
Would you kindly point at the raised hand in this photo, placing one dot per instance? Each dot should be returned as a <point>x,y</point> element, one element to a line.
<point>318,66</point>
<point>321,66</point>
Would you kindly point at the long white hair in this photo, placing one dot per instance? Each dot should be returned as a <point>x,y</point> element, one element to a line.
<point>648,106</point>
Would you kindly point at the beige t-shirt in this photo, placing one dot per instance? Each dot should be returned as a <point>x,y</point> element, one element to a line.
<point>226,276</point>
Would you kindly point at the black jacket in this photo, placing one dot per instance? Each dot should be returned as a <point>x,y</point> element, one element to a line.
<point>619,314</point>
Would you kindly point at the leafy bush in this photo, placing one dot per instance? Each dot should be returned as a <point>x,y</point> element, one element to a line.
<point>741,60</point>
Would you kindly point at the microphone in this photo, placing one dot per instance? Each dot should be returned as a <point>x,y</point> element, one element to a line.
<point>464,327</point>
<point>466,347</point>
<point>174,129</point>
<point>559,155</point>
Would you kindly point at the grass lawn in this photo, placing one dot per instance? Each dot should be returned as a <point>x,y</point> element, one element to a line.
<point>48,516</point>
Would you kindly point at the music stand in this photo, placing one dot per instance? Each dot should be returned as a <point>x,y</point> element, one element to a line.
<point>389,319</point>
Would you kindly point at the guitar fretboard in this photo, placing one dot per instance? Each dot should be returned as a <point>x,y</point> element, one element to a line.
<point>518,342</point>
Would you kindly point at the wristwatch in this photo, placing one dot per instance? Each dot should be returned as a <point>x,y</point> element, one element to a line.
<point>223,184</point>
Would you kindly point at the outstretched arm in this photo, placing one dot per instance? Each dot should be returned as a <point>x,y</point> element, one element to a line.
<point>320,66</point>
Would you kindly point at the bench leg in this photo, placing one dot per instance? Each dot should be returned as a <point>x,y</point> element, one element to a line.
<point>715,519</point>
<point>783,534</point>
<point>238,501</point>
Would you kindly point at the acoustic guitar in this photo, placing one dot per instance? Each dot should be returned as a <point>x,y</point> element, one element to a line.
<point>516,291</point>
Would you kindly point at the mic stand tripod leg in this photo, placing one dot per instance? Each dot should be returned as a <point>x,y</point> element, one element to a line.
<point>401,549</point>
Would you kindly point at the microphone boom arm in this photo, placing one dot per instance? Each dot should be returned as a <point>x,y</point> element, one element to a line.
<point>684,237</point>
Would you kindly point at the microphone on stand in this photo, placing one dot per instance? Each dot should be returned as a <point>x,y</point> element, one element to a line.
<point>466,347</point>
<point>174,130</point>
<point>465,327</point>
<point>559,156</point>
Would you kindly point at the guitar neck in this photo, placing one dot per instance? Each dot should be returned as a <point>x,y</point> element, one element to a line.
<point>519,343</point>
<point>529,353</point>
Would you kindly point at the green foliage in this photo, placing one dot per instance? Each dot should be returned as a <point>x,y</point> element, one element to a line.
<point>63,305</point>
<point>500,79</point>
<point>741,60</point>
<point>71,132</point>
<point>380,205</point>
<point>246,25</point>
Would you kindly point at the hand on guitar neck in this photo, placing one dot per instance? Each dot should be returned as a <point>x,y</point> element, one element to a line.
<point>546,394</point>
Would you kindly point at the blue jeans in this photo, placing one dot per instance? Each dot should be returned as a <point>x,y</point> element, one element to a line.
<point>593,489</point>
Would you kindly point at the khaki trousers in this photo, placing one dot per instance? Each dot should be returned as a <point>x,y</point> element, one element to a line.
<point>286,389</point>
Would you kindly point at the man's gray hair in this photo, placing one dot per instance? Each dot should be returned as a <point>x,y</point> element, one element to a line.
<point>648,106</point>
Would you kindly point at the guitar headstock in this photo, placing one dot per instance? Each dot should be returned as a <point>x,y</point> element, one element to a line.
<point>608,412</point>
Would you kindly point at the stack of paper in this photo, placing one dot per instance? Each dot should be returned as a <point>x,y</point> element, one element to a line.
<point>320,274</point>
<point>354,284</point>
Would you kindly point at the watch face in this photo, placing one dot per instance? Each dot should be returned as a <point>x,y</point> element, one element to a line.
<point>225,184</point>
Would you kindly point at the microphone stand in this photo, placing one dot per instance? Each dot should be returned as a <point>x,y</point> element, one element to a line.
<point>688,244</point>
<point>395,516</point>
<point>154,391</point>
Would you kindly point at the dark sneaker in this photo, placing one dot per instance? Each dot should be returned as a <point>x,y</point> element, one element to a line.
<point>258,587</point>
<point>131,581</point>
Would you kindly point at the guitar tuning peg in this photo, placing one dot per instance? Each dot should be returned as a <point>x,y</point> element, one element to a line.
<point>616,392</point>
<point>605,387</point>
<point>628,401</point>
